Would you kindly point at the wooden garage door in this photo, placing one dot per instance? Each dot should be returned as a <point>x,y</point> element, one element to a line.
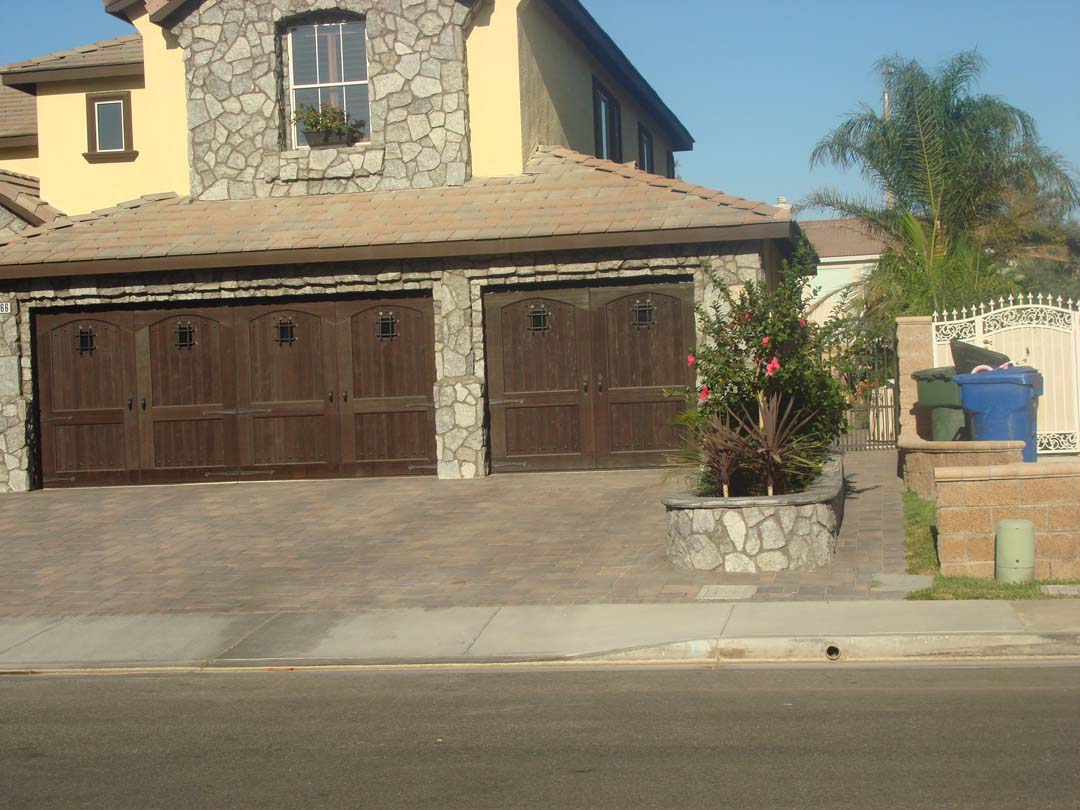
<point>578,378</point>
<point>290,390</point>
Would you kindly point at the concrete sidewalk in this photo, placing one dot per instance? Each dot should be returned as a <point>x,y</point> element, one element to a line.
<point>701,633</point>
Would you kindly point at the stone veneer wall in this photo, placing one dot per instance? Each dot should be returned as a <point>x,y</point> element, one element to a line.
<point>239,110</point>
<point>971,501</point>
<point>456,285</point>
<point>919,458</point>
<point>794,532</point>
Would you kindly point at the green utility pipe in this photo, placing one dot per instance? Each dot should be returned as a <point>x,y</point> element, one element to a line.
<point>1014,551</point>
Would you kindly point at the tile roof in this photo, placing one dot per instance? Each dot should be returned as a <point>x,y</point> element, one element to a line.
<point>18,113</point>
<point>21,194</point>
<point>561,193</point>
<point>126,50</point>
<point>833,238</point>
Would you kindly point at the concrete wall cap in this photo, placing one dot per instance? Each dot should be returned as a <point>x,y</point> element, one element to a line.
<point>914,319</point>
<point>926,446</point>
<point>1045,469</point>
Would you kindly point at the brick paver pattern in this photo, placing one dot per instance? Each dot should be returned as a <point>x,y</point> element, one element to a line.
<point>552,538</point>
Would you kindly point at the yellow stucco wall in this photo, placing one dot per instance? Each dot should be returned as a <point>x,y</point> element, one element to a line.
<point>494,90</point>
<point>557,90</point>
<point>23,161</point>
<point>159,131</point>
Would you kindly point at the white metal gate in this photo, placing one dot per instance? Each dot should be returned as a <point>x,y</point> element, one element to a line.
<point>1040,331</point>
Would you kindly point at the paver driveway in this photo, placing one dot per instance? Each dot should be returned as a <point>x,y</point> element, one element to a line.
<point>359,544</point>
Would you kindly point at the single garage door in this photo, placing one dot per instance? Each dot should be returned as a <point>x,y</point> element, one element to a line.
<point>290,390</point>
<point>582,378</point>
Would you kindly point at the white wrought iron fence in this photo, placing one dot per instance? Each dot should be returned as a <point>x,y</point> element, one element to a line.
<point>1035,330</point>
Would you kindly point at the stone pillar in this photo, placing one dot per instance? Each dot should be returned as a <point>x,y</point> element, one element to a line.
<point>14,474</point>
<point>915,350</point>
<point>459,390</point>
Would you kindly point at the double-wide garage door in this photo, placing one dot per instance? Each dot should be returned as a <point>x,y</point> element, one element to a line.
<point>326,388</point>
<point>587,378</point>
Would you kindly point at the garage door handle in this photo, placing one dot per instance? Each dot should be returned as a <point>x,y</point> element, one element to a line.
<point>330,396</point>
<point>599,383</point>
<point>131,403</point>
<point>142,403</point>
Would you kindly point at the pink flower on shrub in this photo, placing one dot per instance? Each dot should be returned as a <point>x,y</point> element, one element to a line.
<point>704,393</point>
<point>747,317</point>
<point>765,341</point>
<point>772,367</point>
<point>690,360</point>
<point>802,323</point>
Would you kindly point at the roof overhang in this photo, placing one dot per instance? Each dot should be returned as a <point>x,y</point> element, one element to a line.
<point>581,22</point>
<point>18,141</point>
<point>398,252</point>
<point>35,76</point>
<point>118,7</point>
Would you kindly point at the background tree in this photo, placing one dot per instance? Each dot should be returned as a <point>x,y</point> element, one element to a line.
<point>965,189</point>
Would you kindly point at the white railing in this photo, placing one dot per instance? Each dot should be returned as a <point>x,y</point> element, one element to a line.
<point>1034,330</point>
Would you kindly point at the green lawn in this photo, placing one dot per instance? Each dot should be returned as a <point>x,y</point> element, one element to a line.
<point>919,516</point>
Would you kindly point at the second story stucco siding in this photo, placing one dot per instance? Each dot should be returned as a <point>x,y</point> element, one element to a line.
<point>557,73</point>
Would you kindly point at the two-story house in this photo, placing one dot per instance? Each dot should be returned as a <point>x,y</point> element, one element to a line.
<point>498,275</point>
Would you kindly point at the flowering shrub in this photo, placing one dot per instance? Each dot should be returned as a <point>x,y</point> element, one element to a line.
<point>767,409</point>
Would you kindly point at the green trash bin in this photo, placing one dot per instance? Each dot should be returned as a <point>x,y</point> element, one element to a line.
<point>940,397</point>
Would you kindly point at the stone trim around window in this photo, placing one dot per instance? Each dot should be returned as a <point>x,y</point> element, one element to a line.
<point>92,154</point>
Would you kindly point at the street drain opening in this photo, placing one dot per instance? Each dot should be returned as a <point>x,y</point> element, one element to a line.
<point>832,652</point>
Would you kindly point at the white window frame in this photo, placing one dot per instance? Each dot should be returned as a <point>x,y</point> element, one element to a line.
<point>294,87</point>
<point>97,125</point>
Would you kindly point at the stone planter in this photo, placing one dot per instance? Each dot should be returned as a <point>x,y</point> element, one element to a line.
<point>794,532</point>
<point>317,139</point>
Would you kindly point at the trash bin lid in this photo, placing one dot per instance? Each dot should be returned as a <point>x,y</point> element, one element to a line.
<point>1017,375</point>
<point>967,356</point>
<point>945,373</point>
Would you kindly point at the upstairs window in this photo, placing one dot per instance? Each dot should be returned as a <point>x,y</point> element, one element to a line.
<point>646,160</point>
<point>109,135</point>
<point>607,121</point>
<point>328,65</point>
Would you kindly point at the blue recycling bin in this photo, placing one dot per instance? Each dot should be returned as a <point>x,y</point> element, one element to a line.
<point>1002,405</point>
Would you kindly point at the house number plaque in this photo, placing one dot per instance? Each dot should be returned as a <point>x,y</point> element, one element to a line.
<point>5,307</point>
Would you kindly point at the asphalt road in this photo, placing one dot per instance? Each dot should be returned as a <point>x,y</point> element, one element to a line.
<point>766,738</point>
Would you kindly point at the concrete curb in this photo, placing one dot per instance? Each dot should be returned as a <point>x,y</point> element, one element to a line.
<point>718,652</point>
<point>839,649</point>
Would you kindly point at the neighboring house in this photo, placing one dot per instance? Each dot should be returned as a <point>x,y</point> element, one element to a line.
<point>847,250</point>
<point>433,299</point>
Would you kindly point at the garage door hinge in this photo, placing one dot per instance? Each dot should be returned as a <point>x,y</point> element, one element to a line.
<point>55,480</point>
<point>506,402</point>
<point>57,418</point>
<point>510,464</point>
<point>420,405</point>
<point>423,466</point>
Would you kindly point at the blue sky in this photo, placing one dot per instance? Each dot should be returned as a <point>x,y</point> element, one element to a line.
<point>758,83</point>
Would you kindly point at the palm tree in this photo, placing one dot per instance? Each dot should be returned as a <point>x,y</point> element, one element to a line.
<point>956,161</point>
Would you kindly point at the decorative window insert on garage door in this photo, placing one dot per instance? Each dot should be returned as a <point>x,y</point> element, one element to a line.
<point>274,390</point>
